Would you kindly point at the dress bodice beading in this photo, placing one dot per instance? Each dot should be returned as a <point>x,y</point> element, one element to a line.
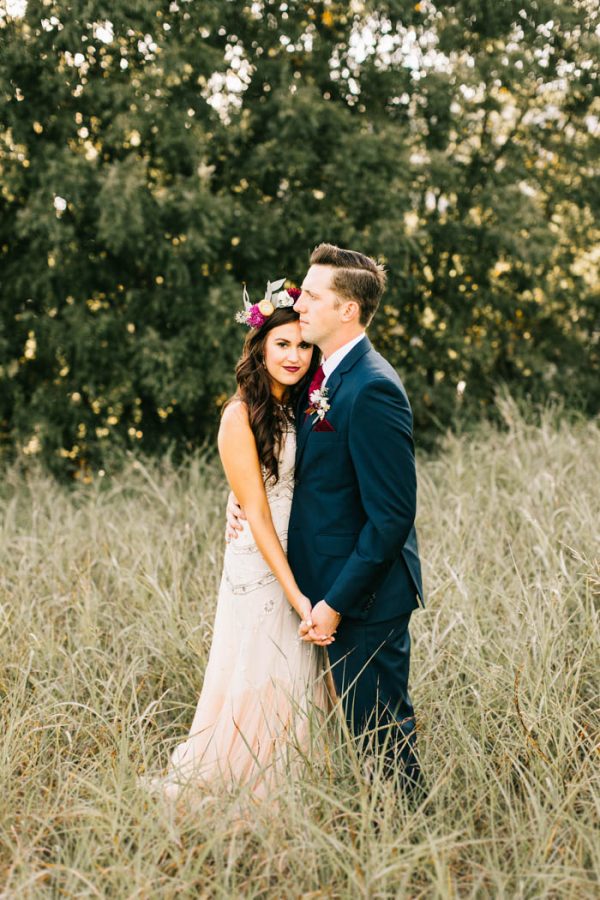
<point>283,488</point>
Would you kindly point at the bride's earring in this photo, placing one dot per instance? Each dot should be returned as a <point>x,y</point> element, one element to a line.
<point>264,365</point>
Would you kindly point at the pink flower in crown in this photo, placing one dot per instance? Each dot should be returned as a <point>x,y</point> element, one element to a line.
<point>254,317</point>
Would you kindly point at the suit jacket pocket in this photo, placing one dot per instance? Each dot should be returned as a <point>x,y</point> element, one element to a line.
<point>335,544</point>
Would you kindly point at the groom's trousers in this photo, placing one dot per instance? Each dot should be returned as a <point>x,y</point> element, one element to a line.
<point>370,666</point>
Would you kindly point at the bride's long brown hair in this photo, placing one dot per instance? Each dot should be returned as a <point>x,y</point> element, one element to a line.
<point>268,418</point>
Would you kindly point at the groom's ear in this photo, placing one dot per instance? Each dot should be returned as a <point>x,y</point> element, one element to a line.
<point>350,311</point>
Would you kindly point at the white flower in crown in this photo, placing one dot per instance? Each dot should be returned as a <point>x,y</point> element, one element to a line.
<point>282,298</point>
<point>319,404</point>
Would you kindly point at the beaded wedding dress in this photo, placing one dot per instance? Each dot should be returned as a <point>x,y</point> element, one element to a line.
<point>262,684</point>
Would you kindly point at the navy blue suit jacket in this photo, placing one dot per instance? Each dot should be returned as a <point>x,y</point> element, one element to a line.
<point>351,538</point>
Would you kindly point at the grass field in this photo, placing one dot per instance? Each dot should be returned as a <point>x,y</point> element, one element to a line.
<point>107,596</point>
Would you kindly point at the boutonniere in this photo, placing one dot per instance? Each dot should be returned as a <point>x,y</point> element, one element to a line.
<point>319,406</point>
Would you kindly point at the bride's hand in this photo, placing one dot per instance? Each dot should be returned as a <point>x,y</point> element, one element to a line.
<point>303,607</point>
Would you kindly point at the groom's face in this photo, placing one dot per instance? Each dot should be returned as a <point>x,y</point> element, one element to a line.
<point>318,306</point>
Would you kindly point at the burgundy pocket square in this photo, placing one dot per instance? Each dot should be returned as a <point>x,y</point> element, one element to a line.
<point>323,425</point>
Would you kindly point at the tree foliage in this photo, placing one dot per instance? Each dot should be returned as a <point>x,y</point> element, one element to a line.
<point>154,156</point>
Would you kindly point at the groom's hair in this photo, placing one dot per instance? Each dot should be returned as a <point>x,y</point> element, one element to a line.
<point>357,277</point>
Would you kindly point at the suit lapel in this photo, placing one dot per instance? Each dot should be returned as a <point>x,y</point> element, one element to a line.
<point>303,431</point>
<point>332,385</point>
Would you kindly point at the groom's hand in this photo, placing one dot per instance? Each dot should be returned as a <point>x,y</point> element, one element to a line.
<point>235,515</point>
<point>325,621</point>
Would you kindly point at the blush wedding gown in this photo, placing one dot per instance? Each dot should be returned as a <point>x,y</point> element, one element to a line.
<point>262,684</point>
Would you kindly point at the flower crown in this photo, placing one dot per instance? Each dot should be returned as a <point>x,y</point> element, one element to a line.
<point>256,314</point>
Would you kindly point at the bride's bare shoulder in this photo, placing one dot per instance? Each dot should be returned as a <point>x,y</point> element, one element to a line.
<point>236,442</point>
<point>235,418</point>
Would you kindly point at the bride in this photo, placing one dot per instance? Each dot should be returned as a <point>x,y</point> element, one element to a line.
<point>261,680</point>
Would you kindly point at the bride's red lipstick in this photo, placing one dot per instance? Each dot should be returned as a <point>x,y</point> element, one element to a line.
<point>292,368</point>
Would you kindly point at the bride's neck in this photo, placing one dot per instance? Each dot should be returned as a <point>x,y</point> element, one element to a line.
<point>279,396</point>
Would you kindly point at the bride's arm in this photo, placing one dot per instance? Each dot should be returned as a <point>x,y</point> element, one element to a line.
<point>239,457</point>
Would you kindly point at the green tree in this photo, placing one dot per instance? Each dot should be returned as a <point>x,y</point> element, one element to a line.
<point>154,156</point>
<point>117,294</point>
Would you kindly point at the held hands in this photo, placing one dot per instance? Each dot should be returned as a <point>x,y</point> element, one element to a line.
<point>320,626</point>
<point>303,607</point>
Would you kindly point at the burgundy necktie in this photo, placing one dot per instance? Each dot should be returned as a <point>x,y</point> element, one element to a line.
<point>317,381</point>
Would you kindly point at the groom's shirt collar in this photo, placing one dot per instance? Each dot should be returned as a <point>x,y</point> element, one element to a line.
<point>333,361</point>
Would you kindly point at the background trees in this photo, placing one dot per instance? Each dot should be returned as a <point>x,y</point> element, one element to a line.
<point>154,156</point>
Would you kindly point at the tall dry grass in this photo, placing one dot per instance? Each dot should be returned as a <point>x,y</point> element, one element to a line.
<point>107,597</point>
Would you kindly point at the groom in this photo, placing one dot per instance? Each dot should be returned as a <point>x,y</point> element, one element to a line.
<point>352,544</point>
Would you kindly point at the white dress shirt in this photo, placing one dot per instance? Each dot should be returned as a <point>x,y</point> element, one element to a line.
<point>333,361</point>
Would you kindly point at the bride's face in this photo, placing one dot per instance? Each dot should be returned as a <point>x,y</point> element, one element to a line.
<point>287,356</point>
